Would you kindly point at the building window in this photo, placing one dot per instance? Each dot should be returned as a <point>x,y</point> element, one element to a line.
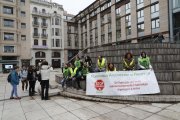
<point>56,55</point>
<point>102,8</point>
<point>23,2</point>
<point>128,30</point>
<point>56,21</point>
<point>155,23</point>
<point>118,35</point>
<point>44,43</point>
<point>23,14</point>
<point>102,39</point>
<point>9,0</point>
<point>35,9</point>
<point>7,10</point>
<point>140,2</point>
<point>109,37</point>
<point>35,42</point>
<point>109,4</point>
<point>141,27</point>
<point>9,49</point>
<point>118,0</point>
<point>128,20</point>
<point>69,40</point>
<point>43,11</point>
<point>57,31</point>
<point>40,55</point>
<point>140,13</point>
<point>176,3</point>
<point>128,8</point>
<point>23,25</point>
<point>52,31</point>
<point>8,36</point>
<point>155,8</point>
<point>118,11</point>
<point>57,42</point>
<point>8,23</point>
<point>23,37</point>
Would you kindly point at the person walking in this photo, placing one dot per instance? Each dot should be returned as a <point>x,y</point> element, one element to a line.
<point>101,64</point>
<point>14,82</point>
<point>111,67</point>
<point>23,76</point>
<point>144,62</point>
<point>45,75</point>
<point>31,77</point>
<point>128,62</point>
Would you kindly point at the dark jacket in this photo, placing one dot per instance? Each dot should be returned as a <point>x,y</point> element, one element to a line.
<point>32,75</point>
<point>14,78</point>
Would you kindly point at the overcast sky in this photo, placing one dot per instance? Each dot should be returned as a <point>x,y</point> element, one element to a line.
<point>74,6</point>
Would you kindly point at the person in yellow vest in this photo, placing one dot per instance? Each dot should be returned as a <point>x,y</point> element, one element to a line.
<point>144,62</point>
<point>66,75</point>
<point>111,67</point>
<point>85,71</point>
<point>128,62</point>
<point>72,70</point>
<point>101,64</point>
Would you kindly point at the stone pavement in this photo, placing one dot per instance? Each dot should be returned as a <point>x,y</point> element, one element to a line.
<point>61,108</point>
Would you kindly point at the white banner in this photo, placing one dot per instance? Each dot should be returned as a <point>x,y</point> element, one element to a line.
<point>122,83</point>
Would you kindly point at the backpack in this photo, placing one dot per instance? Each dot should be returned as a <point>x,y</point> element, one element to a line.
<point>9,78</point>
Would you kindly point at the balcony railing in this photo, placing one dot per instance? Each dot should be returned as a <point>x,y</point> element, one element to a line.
<point>41,13</point>
<point>44,36</point>
<point>36,35</point>
<point>35,23</point>
<point>39,47</point>
<point>44,24</point>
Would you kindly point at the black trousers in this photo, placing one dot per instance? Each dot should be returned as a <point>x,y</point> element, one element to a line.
<point>32,87</point>
<point>45,88</point>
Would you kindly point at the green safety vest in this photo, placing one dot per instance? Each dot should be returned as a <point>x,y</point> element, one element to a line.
<point>145,62</point>
<point>73,72</point>
<point>77,63</point>
<point>66,72</point>
<point>85,71</point>
<point>102,64</point>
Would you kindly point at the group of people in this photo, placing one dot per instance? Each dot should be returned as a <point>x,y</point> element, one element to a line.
<point>74,72</point>
<point>29,76</point>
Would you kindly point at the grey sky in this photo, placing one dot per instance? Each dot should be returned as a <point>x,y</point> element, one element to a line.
<point>74,6</point>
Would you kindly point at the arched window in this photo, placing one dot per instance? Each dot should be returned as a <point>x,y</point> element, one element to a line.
<point>56,55</point>
<point>35,9</point>
<point>43,11</point>
<point>40,55</point>
<point>35,42</point>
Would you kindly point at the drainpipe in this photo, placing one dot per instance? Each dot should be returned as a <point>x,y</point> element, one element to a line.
<point>171,40</point>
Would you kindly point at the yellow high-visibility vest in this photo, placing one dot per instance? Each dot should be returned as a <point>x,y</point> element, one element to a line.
<point>73,73</point>
<point>102,64</point>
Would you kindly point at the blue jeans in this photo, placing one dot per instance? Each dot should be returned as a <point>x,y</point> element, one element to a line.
<point>14,91</point>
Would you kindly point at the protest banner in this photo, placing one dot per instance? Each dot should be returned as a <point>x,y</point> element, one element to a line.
<point>122,83</point>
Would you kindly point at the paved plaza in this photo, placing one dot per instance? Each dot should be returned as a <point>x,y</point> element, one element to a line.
<point>61,108</point>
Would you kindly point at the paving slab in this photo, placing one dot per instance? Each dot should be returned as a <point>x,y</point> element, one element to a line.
<point>100,109</point>
<point>170,114</point>
<point>157,117</point>
<point>55,110</point>
<point>140,114</point>
<point>65,116</point>
<point>148,108</point>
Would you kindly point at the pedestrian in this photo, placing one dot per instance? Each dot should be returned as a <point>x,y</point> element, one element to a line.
<point>111,67</point>
<point>45,75</point>
<point>23,76</point>
<point>78,76</point>
<point>88,62</point>
<point>128,62</point>
<point>101,64</point>
<point>14,82</point>
<point>73,72</point>
<point>144,62</point>
<point>77,62</point>
<point>31,77</point>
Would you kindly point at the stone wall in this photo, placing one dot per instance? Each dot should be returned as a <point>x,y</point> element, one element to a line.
<point>165,59</point>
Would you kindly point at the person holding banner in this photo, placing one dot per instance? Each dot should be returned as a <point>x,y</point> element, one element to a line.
<point>144,62</point>
<point>101,64</point>
<point>128,62</point>
<point>111,67</point>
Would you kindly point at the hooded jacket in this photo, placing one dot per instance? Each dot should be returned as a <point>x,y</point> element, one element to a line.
<point>45,72</point>
<point>14,78</point>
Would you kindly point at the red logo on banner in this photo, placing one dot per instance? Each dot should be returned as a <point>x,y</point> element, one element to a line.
<point>99,85</point>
